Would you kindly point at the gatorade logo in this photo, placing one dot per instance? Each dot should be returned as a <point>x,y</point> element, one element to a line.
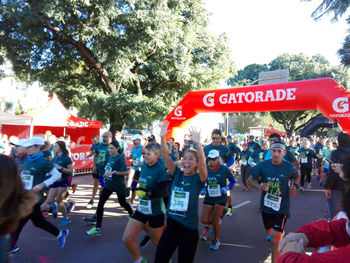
<point>178,111</point>
<point>208,99</point>
<point>341,105</point>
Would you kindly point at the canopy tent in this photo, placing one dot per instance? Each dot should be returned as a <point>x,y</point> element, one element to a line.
<point>56,118</point>
<point>271,130</point>
<point>15,125</point>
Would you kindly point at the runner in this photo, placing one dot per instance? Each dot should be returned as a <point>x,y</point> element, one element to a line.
<point>136,156</point>
<point>306,155</point>
<point>100,160</point>
<point>319,147</point>
<point>34,174</point>
<point>245,154</point>
<point>115,171</point>
<point>276,175</point>
<point>252,145</point>
<point>259,154</point>
<point>58,190</point>
<point>216,196</point>
<point>151,208</point>
<point>95,141</point>
<point>182,221</point>
<point>293,148</point>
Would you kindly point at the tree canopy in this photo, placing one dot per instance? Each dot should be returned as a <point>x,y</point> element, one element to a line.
<point>120,61</point>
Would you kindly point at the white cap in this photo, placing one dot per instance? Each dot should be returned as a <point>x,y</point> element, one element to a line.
<point>213,154</point>
<point>34,141</point>
<point>136,137</point>
<point>21,142</point>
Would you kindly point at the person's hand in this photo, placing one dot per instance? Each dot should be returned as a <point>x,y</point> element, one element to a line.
<point>293,246</point>
<point>58,167</point>
<point>195,135</point>
<point>265,187</point>
<point>224,190</point>
<point>337,167</point>
<point>109,173</point>
<point>328,193</point>
<point>203,191</point>
<point>293,237</point>
<point>164,128</point>
<point>38,187</point>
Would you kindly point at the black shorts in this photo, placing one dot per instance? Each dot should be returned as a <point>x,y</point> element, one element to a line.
<point>136,176</point>
<point>207,203</point>
<point>319,163</point>
<point>274,221</point>
<point>94,174</point>
<point>153,221</point>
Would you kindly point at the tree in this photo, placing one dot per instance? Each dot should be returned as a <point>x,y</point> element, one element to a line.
<point>122,61</point>
<point>247,75</point>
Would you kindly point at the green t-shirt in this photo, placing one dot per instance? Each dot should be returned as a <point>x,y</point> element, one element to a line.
<point>276,199</point>
<point>114,182</point>
<point>150,177</point>
<point>258,155</point>
<point>63,161</point>
<point>245,157</point>
<point>102,151</point>
<point>215,181</point>
<point>319,149</point>
<point>183,199</point>
<point>252,146</point>
<point>294,150</point>
<point>306,156</point>
<point>224,151</point>
<point>34,172</point>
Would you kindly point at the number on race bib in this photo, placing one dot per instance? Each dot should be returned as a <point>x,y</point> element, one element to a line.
<point>27,180</point>
<point>179,201</point>
<point>272,201</point>
<point>145,206</point>
<point>214,190</point>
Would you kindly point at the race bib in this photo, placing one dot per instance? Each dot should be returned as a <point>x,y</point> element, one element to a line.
<point>27,180</point>
<point>145,206</point>
<point>179,201</point>
<point>214,190</point>
<point>303,159</point>
<point>320,152</point>
<point>108,169</point>
<point>134,162</point>
<point>272,201</point>
<point>244,162</point>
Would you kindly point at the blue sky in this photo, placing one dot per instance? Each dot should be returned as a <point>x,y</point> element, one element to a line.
<point>260,30</point>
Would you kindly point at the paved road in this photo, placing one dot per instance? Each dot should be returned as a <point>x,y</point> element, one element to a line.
<point>243,235</point>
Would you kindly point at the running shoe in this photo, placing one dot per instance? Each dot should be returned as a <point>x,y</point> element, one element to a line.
<point>90,204</point>
<point>62,237</point>
<point>145,240</point>
<point>53,210</point>
<point>215,244</point>
<point>94,231</point>
<point>205,234</point>
<point>64,222</point>
<point>91,220</point>
<point>268,237</point>
<point>45,214</point>
<point>143,260</point>
<point>14,249</point>
<point>229,211</point>
<point>70,207</point>
<point>308,185</point>
<point>301,188</point>
<point>74,187</point>
<point>245,188</point>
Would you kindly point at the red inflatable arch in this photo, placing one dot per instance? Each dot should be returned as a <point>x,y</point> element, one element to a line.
<point>324,95</point>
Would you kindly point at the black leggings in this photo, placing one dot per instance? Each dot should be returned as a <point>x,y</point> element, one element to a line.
<point>244,174</point>
<point>176,235</point>
<point>305,171</point>
<point>104,196</point>
<point>38,221</point>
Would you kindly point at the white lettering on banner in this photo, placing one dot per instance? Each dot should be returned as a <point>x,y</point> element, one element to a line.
<point>341,105</point>
<point>78,124</point>
<point>178,111</point>
<point>80,156</point>
<point>251,96</point>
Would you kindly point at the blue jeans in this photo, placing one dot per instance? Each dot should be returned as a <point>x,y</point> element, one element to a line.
<point>334,203</point>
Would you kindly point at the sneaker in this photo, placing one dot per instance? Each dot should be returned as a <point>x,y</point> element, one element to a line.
<point>215,244</point>
<point>53,210</point>
<point>268,237</point>
<point>90,204</point>
<point>229,211</point>
<point>301,188</point>
<point>143,260</point>
<point>91,220</point>
<point>74,188</point>
<point>205,234</point>
<point>245,188</point>
<point>64,222</point>
<point>45,214</point>
<point>14,249</point>
<point>308,185</point>
<point>94,232</point>
<point>62,237</point>
<point>145,240</point>
<point>70,207</point>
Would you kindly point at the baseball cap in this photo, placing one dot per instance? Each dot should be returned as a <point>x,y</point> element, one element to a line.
<point>229,137</point>
<point>136,137</point>
<point>251,137</point>
<point>21,142</point>
<point>245,144</point>
<point>33,141</point>
<point>213,154</point>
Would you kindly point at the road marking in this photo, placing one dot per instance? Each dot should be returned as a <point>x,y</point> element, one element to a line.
<point>241,204</point>
<point>233,245</point>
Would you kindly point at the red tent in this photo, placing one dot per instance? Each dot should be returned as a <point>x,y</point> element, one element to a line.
<point>271,130</point>
<point>56,118</point>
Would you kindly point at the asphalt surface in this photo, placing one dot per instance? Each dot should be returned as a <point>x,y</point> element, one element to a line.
<point>242,236</point>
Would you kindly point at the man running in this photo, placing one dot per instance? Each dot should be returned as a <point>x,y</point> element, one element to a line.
<point>278,177</point>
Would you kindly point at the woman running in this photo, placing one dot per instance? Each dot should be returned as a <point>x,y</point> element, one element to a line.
<point>150,210</point>
<point>115,171</point>
<point>216,196</point>
<point>306,155</point>
<point>35,169</point>
<point>58,191</point>
<point>182,224</point>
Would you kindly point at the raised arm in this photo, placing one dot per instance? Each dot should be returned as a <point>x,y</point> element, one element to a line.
<point>202,167</point>
<point>170,165</point>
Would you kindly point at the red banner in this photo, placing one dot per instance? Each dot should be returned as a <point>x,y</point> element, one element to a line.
<point>79,153</point>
